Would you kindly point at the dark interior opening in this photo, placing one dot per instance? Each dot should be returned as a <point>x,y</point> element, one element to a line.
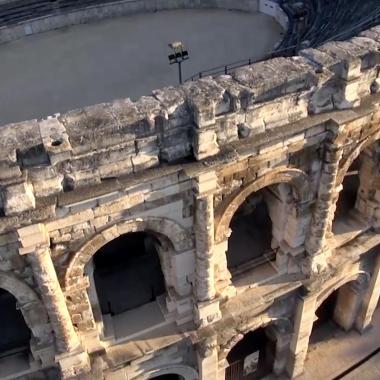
<point>347,196</point>
<point>127,273</point>
<point>251,232</point>
<point>168,377</point>
<point>253,342</point>
<point>15,334</point>
<point>324,325</point>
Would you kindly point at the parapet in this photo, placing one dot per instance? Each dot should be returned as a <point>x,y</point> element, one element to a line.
<point>194,122</point>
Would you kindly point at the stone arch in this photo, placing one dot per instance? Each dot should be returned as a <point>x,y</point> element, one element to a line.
<point>239,335</point>
<point>162,228</point>
<point>187,372</point>
<point>295,177</point>
<point>361,277</point>
<point>354,154</point>
<point>30,305</point>
<point>267,339</point>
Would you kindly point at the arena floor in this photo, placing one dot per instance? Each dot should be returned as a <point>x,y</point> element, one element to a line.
<point>125,57</point>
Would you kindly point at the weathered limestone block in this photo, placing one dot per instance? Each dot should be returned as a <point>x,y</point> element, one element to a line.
<point>26,138</point>
<point>183,270</point>
<point>207,99</point>
<point>149,109</point>
<point>81,126</point>
<point>176,112</point>
<point>176,143</point>
<point>304,319</point>
<point>204,242</point>
<point>226,129</point>
<point>18,198</point>
<point>370,57</point>
<point>370,299</point>
<point>277,77</point>
<point>207,356</point>
<point>368,83</point>
<point>55,140</point>
<point>205,143</point>
<point>48,186</point>
<point>116,169</point>
<point>241,96</point>
<point>347,65</point>
<point>347,307</point>
<point>70,220</point>
<point>373,34</point>
<point>82,178</point>
<point>145,161</point>
<point>74,365</point>
<point>47,280</point>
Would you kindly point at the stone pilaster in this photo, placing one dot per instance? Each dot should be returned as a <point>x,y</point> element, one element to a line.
<point>72,360</point>
<point>35,242</point>
<point>325,206</point>
<point>207,310</point>
<point>303,325</point>
<point>46,277</point>
<point>368,198</point>
<point>370,299</point>
<point>348,305</point>
<point>204,240</point>
<point>281,332</point>
<point>207,356</point>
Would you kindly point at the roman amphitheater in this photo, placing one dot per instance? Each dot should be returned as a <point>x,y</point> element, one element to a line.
<point>226,228</point>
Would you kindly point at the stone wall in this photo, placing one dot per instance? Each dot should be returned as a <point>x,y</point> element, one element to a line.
<point>23,18</point>
<point>178,164</point>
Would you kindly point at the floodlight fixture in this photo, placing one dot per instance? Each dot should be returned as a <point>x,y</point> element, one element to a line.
<point>178,56</point>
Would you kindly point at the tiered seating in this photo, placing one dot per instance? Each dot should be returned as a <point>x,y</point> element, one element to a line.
<point>13,12</point>
<point>313,22</point>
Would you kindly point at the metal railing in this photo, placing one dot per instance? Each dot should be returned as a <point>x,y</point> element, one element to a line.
<point>288,51</point>
<point>228,68</point>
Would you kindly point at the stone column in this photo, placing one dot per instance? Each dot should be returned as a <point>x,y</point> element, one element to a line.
<point>207,356</point>
<point>281,333</point>
<point>207,309</point>
<point>368,198</point>
<point>370,299</point>
<point>204,244</point>
<point>35,242</point>
<point>46,277</point>
<point>303,325</point>
<point>325,204</point>
<point>348,305</point>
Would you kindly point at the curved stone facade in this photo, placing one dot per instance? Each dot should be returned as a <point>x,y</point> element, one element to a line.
<point>178,169</point>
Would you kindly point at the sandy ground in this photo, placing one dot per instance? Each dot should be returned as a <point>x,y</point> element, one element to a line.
<point>338,351</point>
<point>125,57</point>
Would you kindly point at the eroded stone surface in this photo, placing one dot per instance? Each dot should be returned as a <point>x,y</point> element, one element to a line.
<point>180,165</point>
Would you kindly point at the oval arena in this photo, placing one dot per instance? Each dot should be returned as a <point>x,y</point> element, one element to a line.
<point>222,229</point>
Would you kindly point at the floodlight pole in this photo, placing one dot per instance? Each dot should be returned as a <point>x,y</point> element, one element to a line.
<point>180,71</point>
<point>179,55</point>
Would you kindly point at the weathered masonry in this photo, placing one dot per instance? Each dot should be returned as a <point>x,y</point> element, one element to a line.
<point>200,232</point>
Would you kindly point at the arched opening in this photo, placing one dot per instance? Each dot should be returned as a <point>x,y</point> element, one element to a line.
<point>345,207</point>
<point>358,197</point>
<point>324,323</point>
<point>257,229</point>
<point>127,285</point>
<point>15,336</point>
<point>168,377</point>
<point>251,228</point>
<point>333,332</point>
<point>338,311</point>
<point>127,273</point>
<point>252,357</point>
